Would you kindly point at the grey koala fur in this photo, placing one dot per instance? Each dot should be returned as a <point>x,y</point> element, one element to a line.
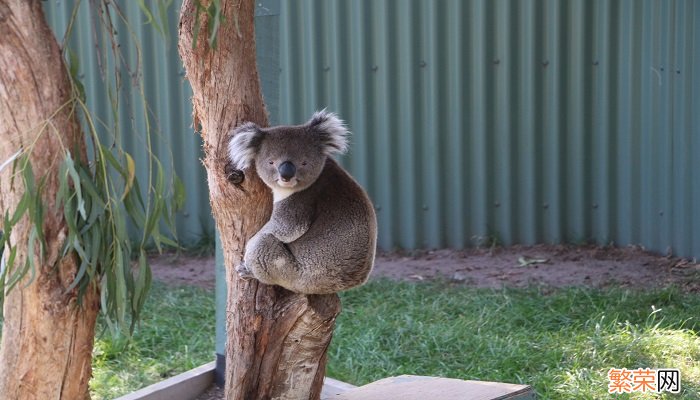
<point>322,235</point>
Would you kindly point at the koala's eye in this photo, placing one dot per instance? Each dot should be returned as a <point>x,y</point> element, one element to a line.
<point>271,162</point>
<point>303,163</point>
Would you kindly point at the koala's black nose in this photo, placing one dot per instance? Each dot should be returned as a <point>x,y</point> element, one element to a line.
<point>287,170</point>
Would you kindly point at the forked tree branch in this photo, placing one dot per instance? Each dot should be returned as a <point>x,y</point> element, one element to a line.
<point>277,340</point>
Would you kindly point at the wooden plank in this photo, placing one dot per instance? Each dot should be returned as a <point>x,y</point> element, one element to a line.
<point>190,384</point>
<point>332,387</point>
<point>410,387</point>
<point>185,386</point>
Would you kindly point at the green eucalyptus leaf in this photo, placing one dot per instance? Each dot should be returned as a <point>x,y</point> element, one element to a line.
<point>106,292</point>
<point>107,155</point>
<point>197,24</point>
<point>147,13</point>
<point>130,175</point>
<point>90,188</point>
<point>95,250</point>
<point>179,194</point>
<point>120,294</point>
<point>37,217</point>
<point>70,216</point>
<point>74,70</point>
<point>68,244</point>
<point>142,285</point>
<point>163,6</point>
<point>28,176</point>
<point>7,266</point>
<point>79,249</point>
<point>168,241</point>
<point>78,276</point>
<point>21,209</point>
<point>214,22</point>
<point>77,186</point>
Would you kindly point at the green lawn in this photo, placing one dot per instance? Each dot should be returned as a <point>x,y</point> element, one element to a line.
<point>560,341</point>
<point>176,334</point>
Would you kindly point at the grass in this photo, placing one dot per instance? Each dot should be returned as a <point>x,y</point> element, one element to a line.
<point>560,341</point>
<point>176,334</point>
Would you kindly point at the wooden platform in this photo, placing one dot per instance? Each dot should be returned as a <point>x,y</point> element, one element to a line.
<point>191,384</point>
<point>185,386</point>
<point>411,387</point>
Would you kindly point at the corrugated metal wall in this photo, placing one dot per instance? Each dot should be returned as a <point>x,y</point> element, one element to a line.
<point>166,91</point>
<point>525,121</point>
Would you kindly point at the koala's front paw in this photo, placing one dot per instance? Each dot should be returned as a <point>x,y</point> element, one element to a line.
<point>244,272</point>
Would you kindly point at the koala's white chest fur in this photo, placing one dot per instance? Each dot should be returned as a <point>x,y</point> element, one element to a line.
<point>279,194</point>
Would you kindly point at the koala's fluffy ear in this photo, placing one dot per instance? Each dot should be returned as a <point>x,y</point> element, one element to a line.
<point>244,145</point>
<point>332,130</point>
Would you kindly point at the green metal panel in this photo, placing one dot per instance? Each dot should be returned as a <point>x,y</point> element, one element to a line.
<point>527,121</point>
<point>530,121</point>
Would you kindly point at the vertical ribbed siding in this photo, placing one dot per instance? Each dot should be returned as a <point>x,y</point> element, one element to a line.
<point>693,71</point>
<point>528,121</point>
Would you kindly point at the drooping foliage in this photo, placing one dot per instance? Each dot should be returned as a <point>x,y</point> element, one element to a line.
<point>112,217</point>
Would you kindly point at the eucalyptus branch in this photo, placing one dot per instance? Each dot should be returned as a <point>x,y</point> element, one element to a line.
<point>96,195</point>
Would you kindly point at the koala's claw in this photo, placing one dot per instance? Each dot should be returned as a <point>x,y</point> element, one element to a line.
<point>233,175</point>
<point>244,272</point>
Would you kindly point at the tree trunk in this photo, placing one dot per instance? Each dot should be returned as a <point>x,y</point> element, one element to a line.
<point>47,338</point>
<point>277,340</point>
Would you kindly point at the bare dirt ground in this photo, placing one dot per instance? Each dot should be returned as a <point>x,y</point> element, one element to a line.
<point>515,266</point>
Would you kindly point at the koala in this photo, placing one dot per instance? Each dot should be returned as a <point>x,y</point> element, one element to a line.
<point>322,234</point>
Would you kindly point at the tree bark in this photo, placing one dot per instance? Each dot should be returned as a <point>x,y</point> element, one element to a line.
<point>277,340</point>
<point>47,337</point>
